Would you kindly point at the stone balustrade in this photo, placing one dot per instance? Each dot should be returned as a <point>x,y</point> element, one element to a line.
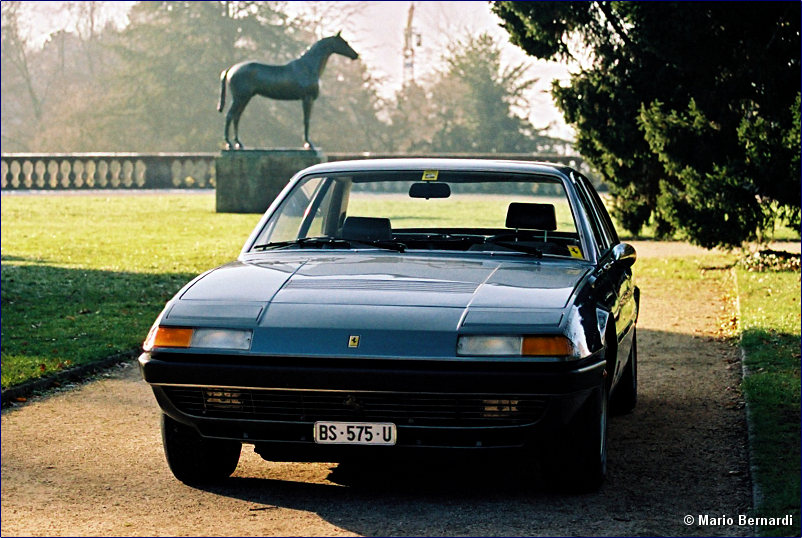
<point>57,171</point>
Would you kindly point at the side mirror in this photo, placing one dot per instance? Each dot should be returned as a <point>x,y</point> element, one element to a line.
<point>625,253</point>
<point>429,189</point>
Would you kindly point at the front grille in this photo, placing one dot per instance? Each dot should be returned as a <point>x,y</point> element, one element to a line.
<point>412,409</point>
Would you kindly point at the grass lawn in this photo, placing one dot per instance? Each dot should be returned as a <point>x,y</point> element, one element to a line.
<point>85,277</point>
<point>770,332</point>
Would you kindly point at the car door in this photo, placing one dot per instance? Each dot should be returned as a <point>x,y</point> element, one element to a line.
<point>627,290</point>
<point>614,279</point>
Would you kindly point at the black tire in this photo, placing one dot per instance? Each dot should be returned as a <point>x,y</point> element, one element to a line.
<point>577,463</point>
<point>625,395</point>
<point>194,459</point>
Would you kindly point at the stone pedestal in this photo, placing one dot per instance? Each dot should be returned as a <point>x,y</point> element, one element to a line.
<point>248,180</point>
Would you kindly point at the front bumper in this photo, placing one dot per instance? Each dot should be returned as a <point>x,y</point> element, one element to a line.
<point>273,402</point>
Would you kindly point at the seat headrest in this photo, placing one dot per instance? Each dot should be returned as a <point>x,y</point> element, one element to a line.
<point>367,229</point>
<point>531,216</point>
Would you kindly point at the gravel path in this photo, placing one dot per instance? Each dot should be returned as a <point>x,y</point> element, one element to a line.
<point>88,461</point>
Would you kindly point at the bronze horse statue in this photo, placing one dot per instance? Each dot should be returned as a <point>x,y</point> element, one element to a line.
<point>298,79</point>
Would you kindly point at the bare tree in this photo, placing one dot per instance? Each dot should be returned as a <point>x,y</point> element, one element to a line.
<point>88,18</point>
<point>15,51</point>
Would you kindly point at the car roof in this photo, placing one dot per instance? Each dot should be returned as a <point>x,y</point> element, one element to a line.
<point>474,165</point>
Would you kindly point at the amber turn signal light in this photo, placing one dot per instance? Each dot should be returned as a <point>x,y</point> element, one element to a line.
<point>171,337</point>
<point>552,346</point>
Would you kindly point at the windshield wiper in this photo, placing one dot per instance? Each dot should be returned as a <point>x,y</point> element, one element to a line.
<point>303,241</point>
<point>323,241</point>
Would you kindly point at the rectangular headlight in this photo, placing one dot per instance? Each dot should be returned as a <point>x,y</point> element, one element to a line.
<point>489,345</point>
<point>515,346</point>
<point>221,339</point>
<point>202,338</point>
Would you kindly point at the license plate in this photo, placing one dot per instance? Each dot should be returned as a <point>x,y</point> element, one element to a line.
<point>355,433</point>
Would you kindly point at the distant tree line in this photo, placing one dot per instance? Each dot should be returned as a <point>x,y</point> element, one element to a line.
<point>690,111</point>
<point>153,86</point>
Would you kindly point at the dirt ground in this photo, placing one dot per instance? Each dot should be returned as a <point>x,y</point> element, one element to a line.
<point>88,461</point>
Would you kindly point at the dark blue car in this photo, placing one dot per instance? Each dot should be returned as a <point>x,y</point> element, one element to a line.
<point>383,308</point>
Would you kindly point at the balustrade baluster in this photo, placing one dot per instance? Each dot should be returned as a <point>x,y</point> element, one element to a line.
<point>212,174</point>
<point>15,170</point>
<point>91,169</point>
<point>27,169</point>
<point>176,169</point>
<point>102,172</point>
<point>115,168</point>
<point>127,174</point>
<point>201,171</point>
<point>190,179</point>
<point>139,173</point>
<point>52,174</point>
<point>78,174</point>
<point>66,173</point>
<point>40,168</point>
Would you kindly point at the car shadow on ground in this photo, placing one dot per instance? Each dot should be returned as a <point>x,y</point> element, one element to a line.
<point>409,499</point>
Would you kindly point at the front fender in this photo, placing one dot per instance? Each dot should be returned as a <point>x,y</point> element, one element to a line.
<point>586,327</point>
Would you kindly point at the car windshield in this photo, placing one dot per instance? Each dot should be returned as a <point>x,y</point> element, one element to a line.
<point>521,214</point>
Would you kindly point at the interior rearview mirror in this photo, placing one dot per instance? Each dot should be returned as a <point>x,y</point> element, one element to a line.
<point>428,189</point>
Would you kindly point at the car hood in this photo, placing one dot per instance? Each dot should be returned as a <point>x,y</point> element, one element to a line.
<point>399,298</point>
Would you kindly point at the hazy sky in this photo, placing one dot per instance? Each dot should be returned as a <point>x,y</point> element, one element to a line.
<point>376,31</point>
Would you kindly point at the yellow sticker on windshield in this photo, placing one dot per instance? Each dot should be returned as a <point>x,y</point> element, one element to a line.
<point>575,251</point>
<point>430,175</point>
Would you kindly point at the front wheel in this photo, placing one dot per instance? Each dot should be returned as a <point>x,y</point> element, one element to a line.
<point>194,459</point>
<point>625,395</point>
<point>577,462</point>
